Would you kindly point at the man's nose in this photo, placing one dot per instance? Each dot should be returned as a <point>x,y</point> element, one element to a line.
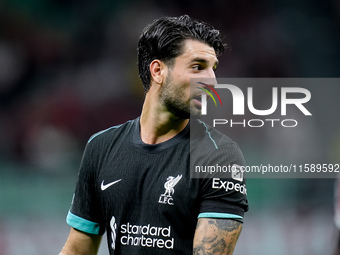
<point>210,74</point>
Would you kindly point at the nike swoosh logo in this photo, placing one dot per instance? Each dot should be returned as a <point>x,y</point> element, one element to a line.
<point>104,187</point>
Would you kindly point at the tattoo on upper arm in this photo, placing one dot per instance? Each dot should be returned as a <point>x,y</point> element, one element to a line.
<point>227,225</point>
<point>216,236</point>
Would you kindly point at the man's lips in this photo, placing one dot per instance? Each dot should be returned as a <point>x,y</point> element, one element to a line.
<point>199,96</point>
<point>197,100</point>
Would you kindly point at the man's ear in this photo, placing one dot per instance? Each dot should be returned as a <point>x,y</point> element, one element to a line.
<point>157,70</point>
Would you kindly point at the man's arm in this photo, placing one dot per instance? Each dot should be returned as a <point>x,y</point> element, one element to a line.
<point>216,236</point>
<point>81,243</point>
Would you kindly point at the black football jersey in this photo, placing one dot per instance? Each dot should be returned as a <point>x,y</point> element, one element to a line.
<point>145,197</point>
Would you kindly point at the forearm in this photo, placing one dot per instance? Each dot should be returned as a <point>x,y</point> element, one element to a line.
<point>80,243</point>
<point>216,236</point>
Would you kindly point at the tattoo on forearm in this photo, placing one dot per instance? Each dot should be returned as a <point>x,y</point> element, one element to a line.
<point>228,225</point>
<point>216,236</point>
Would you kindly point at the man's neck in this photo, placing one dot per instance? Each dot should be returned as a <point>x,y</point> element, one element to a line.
<point>158,125</point>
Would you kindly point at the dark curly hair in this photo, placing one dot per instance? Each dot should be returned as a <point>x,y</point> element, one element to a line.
<point>163,39</point>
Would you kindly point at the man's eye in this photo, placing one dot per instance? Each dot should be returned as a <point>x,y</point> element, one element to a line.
<point>197,67</point>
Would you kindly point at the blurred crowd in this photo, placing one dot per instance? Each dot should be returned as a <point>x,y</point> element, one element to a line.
<point>68,67</point>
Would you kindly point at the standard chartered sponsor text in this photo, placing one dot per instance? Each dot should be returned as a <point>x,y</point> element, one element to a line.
<point>146,236</point>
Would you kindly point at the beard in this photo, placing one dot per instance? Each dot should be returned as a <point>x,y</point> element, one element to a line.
<point>174,99</point>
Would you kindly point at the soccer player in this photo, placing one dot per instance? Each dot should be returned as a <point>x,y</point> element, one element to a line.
<point>134,179</point>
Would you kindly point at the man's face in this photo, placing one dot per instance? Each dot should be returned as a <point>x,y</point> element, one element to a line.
<point>198,61</point>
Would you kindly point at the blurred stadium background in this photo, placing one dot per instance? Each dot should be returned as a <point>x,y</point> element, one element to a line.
<point>68,69</point>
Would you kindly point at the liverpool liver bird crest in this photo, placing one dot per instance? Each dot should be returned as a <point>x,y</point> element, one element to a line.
<point>170,184</point>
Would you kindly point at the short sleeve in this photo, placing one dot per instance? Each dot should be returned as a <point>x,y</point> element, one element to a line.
<point>224,195</point>
<point>85,213</point>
